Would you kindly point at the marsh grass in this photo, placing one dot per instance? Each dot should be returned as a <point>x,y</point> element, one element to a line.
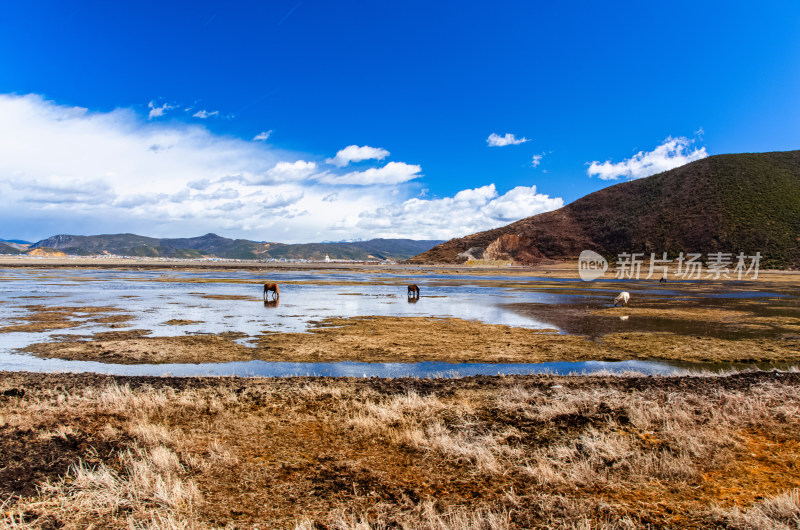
<point>494,453</point>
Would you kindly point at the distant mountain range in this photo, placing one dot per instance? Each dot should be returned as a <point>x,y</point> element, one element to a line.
<point>212,245</point>
<point>13,246</point>
<point>5,248</point>
<point>726,203</point>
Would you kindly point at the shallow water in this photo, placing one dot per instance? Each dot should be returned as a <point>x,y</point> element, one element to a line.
<point>155,297</point>
<point>575,319</point>
<point>356,369</point>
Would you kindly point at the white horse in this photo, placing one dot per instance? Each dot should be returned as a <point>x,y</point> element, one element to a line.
<point>622,298</point>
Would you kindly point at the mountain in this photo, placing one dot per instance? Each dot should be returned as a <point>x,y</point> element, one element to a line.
<point>121,244</point>
<point>212,245</point>
<point>735,203</point>
<point>13,246</point>
<point>15,241</point>
<point>8,249</point>
<point>44,252</point>
<point>394,249</point>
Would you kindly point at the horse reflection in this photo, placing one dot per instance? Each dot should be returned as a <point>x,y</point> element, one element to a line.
<point>413,299</point>
<point>271,303</point>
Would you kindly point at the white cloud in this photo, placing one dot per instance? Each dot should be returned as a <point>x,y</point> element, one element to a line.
<point>495,140</point>
<point>672,153</point>
<point>537,159</point>
<point>467,212</point>
<point>287,172</point>
<point>391,173</point>
<point>157,112</point>
<point>354,153</point>
<point>70,170</point>
<point>204,114</point>
<point>199,184</point>
<point>63,191</point>
<point>280,200</point>
<point>263,136</point>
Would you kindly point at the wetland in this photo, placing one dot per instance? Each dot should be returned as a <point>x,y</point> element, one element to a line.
<point>381,411</point>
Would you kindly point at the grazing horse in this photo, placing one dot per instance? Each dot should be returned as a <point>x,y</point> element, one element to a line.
<point>413,290</point>
<point>271,288</point>
<point>622,298</point>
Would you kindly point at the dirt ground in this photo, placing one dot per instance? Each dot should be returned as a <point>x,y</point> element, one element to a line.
<point>482,452</point>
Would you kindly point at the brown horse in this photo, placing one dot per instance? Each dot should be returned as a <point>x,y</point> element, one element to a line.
<point>413,290</point>
<point>272,288</point>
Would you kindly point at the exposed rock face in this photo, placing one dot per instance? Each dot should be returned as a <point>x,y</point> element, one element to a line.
<point>473,253</point>
<point>513,247</point>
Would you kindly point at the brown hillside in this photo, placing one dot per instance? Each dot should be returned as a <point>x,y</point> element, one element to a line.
<point>725,203</point>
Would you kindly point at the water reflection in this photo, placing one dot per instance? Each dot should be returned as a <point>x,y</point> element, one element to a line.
<point>580,319</point>
<point>213,305</point>
<point>359,369</point>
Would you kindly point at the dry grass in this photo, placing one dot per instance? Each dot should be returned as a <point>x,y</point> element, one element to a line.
<point>777,512</point>
<point>417,339</point>
<point>427,517</point>
<point>484,453</point>
<point>143,484</point>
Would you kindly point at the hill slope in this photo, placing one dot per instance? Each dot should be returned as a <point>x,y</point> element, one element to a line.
<point>395,249</point>
<point>212,245</point>
<point>8,249</point>
<point>17,243</point>
<point>726,203</point>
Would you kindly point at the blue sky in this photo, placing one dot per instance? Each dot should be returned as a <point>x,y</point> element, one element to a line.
<point>142,117</point>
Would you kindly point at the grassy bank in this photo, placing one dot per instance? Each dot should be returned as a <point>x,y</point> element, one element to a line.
<point>486,452</point>
<point>410,339</point>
